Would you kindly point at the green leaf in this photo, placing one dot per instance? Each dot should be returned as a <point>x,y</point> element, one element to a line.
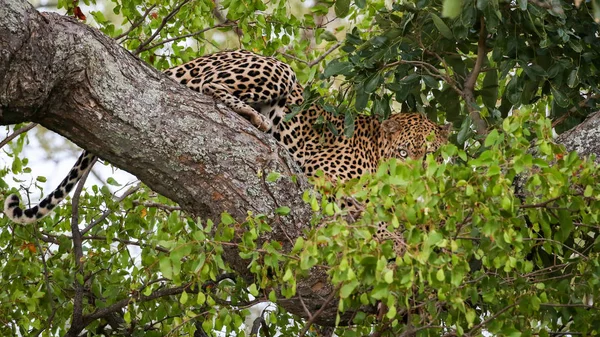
<point>452,8</point>
<point>523,5</point>
<point>227,219</point>
<point>349,125</point>
<point>253,289</point>
<point>166,267</point>
<point>388,277</point>
<point>112,181</point>
<point>492,138</point>
<point>588,191</point>
<point>573,79</point>
<point>440,276</point>
<point>183,298</point>
<point>560,98</point>
<point>298,245</point>
<point>534,71</point>
<point>337,68</point>
<point>273,176</point>
<point>327,36</point>
<point>342,7</point>
<point>360,3</point>
<point>442,27</point>
<point>283,210</point>
<point>489,91</point>
<point>348,288</point>
<point>373,83</point>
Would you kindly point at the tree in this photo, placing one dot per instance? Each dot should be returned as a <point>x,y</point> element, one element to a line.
<point>479,253</point>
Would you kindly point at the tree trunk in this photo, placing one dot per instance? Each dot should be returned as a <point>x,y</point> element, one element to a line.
<point>75,81</point>
<point>72,79</point>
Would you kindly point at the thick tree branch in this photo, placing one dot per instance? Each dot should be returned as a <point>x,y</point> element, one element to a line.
<point>72,79</point>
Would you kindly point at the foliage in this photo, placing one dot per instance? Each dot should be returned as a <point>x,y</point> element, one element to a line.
<point>501,240</point>
<point>480,254</point>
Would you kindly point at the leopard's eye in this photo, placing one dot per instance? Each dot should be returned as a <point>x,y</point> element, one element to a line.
<point>403,153</point>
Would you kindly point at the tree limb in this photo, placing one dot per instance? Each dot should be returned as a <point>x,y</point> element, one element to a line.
<point>75,81</point>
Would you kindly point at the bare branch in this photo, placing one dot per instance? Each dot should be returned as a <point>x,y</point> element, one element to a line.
<point>99,313</point>
<point>225,24</point>
<point>314,316</point>
<point>16,133</point>
<point>489,319</point>
<point>162,25</point>
<point>136,24</point>
<point>109,211</point>
<point>77,322</point>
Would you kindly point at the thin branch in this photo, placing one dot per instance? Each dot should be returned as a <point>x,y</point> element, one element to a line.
<point>99,313</point>
<point>109,211</point>
<point>77,322</point>
<point>136,24</point>
<point>329,51</point>
<point>126,242</point>
<point>469,87</point>
<point>224,24</point>
<point>16,133</point>
<point>49,292</point>
<point>162,25</point>
<point>491,318</point>
<point>571,111</point>
<point>586,306</point>
<point>312,318</point>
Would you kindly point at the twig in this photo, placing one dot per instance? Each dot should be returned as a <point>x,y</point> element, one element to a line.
<point>572,305</point>
<point>312,318</point>
<point>329,51</point>
<point>109,211</point>
<point>543,204</point>
<point>162,25</point>
<point>482,324</point>
<point>77,323</point>
<point>225,24</point>
<point>315,61</point>
<point>136,24</point>
<point>581,104</point>
<point>126,242</point>
<point>99,313</point>
<point>49,291</point>
<point>560,244</point>
<point>16,133</point>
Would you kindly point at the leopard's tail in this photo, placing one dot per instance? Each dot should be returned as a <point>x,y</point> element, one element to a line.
<point>29,215</point>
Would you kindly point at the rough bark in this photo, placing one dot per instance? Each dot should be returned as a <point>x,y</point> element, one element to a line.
<point>584,138</point>
<point>72,79</point>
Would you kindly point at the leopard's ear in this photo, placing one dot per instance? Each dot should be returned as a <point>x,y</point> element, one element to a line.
<point>445,129</point>
<point>390,125</point>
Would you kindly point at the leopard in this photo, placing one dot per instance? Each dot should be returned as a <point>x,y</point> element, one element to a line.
<point>263,90</point>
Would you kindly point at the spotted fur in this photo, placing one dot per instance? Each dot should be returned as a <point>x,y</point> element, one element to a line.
<point>262,89</point>
<point>18,215</point>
